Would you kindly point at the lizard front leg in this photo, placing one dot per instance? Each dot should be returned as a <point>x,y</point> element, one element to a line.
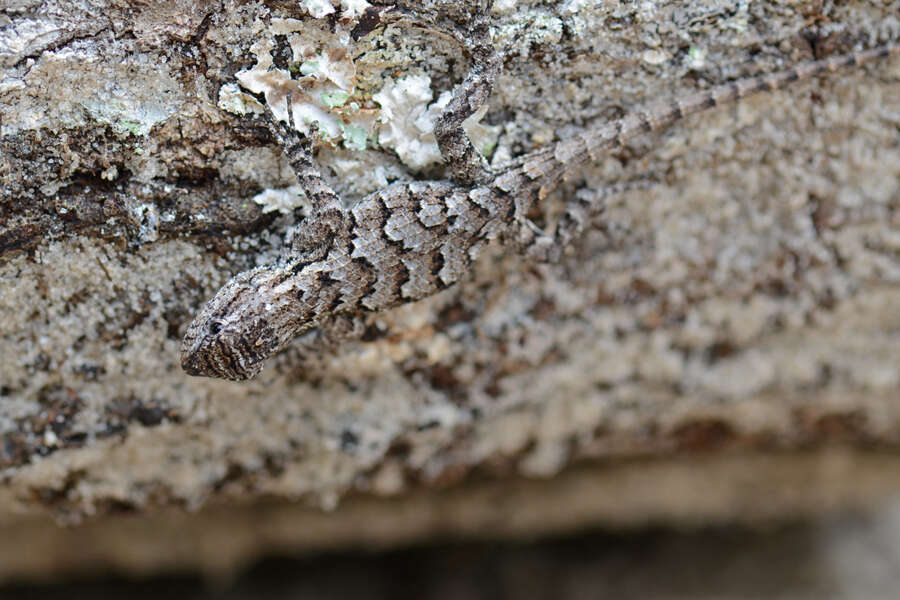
<point>310,352</point>
<point>328,217</point>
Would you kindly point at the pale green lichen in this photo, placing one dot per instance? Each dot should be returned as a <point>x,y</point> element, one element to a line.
<point>334,99</point>
<point>77,86</point>
<point>696,58</point>
<point>310,67</point>
<point>354,137</point>
<point>132,127</point>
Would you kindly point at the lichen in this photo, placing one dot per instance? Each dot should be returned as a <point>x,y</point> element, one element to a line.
<point>88,84</point>
<point>325,99</point>
<point>282,200</point>
<point>408,117</point>
<point>317,8</point>
<point>231,99</point>
<point>325,78</point>
<point>519,367</point>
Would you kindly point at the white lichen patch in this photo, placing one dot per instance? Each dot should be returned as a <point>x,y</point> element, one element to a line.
<point>547,30</point>
<point>146,215</point>
<point>23,37</point>
<point>350,9</point>
<point>126,107</point>
<point>89,84</point>
<point>283,200</point>
<point>317,8</point>
<point>575,6</point>
<point>231,99</point>
<point>504,6</point>
<point>407,124</point>
<point>408,117</point>
<point>321,79</point>
<point>654,57</point>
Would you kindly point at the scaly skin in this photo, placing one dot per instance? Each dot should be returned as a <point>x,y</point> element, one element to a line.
<point>411,240</point>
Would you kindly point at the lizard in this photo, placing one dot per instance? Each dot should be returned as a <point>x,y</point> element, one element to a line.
<point>413,239</point>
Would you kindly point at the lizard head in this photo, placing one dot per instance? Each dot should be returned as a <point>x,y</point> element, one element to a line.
<point>250,318</point>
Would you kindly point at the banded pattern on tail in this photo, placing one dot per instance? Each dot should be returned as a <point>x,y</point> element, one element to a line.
<point>548,165</point>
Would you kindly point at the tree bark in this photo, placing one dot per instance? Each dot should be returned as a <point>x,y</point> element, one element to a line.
<point>740,316</point>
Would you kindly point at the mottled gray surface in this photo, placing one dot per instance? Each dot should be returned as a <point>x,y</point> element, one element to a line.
<point>747,302</point>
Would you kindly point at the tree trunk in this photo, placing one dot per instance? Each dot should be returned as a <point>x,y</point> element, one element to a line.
<point>722,346</point>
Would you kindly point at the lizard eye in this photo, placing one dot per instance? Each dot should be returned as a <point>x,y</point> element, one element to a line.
<point>215,327</point>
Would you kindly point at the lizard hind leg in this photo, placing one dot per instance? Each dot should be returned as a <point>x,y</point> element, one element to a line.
<point>469,27</point>
<point>536,244</point>
<point>467,165</point>
<point>587,205</point>
<point>590,203</point>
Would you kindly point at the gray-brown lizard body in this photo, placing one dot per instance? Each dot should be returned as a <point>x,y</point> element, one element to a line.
<point>411,240</point>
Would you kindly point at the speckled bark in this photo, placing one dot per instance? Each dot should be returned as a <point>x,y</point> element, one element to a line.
<point>747,304</point>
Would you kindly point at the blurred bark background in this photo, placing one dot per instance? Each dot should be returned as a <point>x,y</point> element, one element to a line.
<point>724,347</point>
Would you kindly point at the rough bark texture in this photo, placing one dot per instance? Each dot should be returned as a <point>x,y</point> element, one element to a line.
<point>741,313</point>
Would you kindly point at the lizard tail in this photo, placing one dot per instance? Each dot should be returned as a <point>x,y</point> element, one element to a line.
<point>550,164</point>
